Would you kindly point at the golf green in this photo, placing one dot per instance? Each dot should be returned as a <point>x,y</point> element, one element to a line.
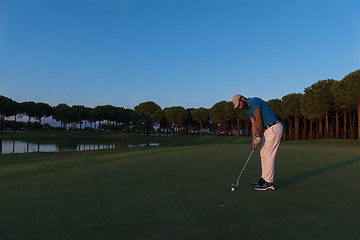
<point>174,192</point>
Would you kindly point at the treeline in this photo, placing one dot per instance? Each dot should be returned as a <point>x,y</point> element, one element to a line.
<point>327,109</point>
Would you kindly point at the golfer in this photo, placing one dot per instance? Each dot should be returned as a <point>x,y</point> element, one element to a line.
<point>267,131</point>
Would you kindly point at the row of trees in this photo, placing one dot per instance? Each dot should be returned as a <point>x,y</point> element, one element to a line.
<point>326,109</point>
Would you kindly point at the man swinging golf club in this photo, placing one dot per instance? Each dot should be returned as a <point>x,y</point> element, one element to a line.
<point>267,130</point>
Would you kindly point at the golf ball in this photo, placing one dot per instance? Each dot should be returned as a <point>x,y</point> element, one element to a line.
<point>233,189</point>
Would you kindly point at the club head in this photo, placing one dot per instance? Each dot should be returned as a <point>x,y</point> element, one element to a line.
<point>234,187</point>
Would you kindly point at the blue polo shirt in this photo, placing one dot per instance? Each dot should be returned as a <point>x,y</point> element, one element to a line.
<point>266,114</point>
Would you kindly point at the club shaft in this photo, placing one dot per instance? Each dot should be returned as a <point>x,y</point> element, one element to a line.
<point>237,182</point>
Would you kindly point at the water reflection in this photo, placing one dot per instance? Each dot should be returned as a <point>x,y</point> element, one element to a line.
<point>16,146</point>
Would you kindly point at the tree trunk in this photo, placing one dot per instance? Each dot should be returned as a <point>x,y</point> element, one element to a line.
<point>15,124</point>
<point>311,130</point>
<point>242,128</point>
<point>332,129</point>
<point>345,130</point>
<point>14,143</point>
<point>284,136</point>
<point>304,129</point>
<point>327,135</point>
<point>29,123</point>
<point>284,130</point>
<point>337,125</point>
<point>352,126</point>
<point>290,129</point>
<point>247,126</point>
<point>320,129</point>
<point>237,127</point>
<point>358,113</point>
<point>1,124</point>
<point>296,127</point>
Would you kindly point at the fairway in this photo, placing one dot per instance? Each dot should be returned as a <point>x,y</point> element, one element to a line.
<point>173,192</point>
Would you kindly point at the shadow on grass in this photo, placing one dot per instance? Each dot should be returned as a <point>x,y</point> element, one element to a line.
<point>285,182</point>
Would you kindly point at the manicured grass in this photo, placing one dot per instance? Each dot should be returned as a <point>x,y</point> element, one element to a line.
<point>172,193</point>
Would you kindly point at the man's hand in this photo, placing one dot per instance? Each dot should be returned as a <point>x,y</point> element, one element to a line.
<point>255,145</point>
<point>256,141</point>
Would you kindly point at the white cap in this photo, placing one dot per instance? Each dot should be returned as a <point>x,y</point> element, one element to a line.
<point>235,100</point>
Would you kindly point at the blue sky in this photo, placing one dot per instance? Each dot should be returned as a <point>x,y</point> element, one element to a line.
<point>190,53</point>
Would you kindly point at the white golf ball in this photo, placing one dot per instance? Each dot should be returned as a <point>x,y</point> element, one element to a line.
<point>233,189</point>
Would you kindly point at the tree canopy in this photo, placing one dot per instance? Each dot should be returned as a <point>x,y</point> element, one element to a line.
<point>328,108</point>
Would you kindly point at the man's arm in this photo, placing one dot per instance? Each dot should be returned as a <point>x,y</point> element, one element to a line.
<point>257,129</point>
<point>253,132</point>
<point>253,127</point>
<point>258,122</point>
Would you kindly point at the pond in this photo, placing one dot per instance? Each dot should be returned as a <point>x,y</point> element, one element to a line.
<point>18,146</point>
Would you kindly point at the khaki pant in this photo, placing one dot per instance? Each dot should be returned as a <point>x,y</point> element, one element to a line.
<point>270,144</point>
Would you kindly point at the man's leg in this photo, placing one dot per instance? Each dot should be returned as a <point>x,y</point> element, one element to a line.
<point>270,145</point>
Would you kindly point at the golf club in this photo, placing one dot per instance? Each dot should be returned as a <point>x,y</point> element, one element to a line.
<point>234,186</point>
